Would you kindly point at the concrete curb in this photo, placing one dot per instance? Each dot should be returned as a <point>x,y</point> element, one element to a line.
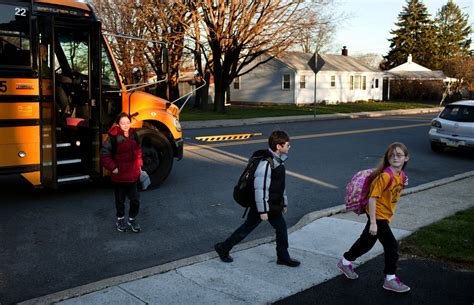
<point>305,220</point>
<point>303,118</point>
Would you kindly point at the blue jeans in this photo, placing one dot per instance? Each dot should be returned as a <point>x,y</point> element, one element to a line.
<point>253,220</point>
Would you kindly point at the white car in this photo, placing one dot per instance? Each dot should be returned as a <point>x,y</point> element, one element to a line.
<point>453,127</point>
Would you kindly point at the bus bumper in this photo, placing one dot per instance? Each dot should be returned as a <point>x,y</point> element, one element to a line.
<point>179,149</point>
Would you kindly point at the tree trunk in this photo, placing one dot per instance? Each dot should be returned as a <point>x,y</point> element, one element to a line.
<point>204,91</point>
<point>219,96</point>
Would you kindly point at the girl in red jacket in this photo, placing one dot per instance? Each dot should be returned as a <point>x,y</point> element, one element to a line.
<point>122,156</point>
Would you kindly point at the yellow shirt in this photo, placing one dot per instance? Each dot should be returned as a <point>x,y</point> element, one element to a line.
<point>386,200</point>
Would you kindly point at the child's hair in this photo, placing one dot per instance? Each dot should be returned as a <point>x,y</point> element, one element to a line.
<point>120,116</point>
<point>277,137</point>
<point>384,162</point>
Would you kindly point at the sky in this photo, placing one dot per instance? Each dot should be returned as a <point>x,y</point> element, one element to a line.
<point>367,29</point>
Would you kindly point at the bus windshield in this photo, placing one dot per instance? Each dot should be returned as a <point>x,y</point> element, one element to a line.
<point>14,35</point>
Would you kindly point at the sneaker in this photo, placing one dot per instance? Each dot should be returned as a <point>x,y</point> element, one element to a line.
<point>134,225</point>
<point>121,225</point>
<point>395,285</point>
<point>347,270</point>
<point>223,255</point>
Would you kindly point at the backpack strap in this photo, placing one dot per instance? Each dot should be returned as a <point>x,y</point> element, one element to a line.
<point>389,171</point>
<point>113,141</point>
<point>245,212</point>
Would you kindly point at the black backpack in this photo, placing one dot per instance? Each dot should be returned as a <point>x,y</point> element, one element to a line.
<point>113,141</point>
<point>244,192</point>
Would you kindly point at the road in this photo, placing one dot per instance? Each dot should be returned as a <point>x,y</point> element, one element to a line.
<point>51,241</point>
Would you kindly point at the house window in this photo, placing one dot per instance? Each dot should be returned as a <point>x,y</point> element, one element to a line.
<point>303,81</point>
<point>237,83</point>
<point>358,82</point>
<point>333,81</point>
<point>285,82</point>
<point>375,83</point>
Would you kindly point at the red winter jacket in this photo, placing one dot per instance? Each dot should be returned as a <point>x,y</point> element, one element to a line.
<point>128,156</point>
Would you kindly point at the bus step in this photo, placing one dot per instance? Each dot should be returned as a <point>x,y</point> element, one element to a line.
<point>69,161</point>
<point>63,144</point>
<point>73,178</point>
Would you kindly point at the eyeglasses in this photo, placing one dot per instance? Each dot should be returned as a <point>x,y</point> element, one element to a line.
<point>286,144</point>
<point>398,156</point>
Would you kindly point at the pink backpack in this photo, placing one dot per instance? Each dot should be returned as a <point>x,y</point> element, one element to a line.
<point>356,198</point>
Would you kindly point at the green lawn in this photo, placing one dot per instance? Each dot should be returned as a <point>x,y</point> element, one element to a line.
<point>450,240</point>
<point>243,112</point>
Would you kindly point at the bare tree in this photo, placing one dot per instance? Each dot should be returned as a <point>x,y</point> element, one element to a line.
<point>167,21</point>
<point>461,68</point>
<point>239,31</point>
<point>121,17</point>
<point>370,59</point>
<point>322,18</point>
<point>160,21</point>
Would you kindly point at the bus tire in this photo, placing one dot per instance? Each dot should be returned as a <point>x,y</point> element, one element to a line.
<point>157,155</point>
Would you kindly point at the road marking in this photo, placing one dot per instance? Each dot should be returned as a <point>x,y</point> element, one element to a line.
<point>310,136</point>
<point>242,160</point>
<point>230,137</point>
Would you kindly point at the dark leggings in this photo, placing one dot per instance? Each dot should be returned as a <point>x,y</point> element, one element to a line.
<point>122,191</point>
<point>366,241</point>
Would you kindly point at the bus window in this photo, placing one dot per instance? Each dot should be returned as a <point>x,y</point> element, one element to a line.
<point>74,46</point>
<point>14,35</point>
<point>72,72</point>
<point>109,75</point>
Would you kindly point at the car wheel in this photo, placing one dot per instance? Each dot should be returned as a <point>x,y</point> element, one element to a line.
<point>436,147</point>
<point>157,155</point>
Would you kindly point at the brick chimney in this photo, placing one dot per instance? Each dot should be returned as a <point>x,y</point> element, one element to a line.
<point>344,51</point>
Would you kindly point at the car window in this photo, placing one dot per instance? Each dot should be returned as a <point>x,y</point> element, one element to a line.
<point>458,113</point>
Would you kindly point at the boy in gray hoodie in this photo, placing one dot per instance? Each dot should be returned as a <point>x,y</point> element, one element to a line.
<point>270,201</point>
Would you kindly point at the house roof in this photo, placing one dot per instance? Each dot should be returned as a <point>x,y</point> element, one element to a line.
<point>327,62</point>
<point>412,70</point>
<point>423,75</point>
<point>298,60</point>
<point>410,65</point>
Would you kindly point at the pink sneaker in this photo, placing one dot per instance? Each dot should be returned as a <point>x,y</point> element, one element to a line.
<point>395,285</point>
<point>347,270</point>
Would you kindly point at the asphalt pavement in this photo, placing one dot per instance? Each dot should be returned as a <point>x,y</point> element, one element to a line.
<point>318,241</point>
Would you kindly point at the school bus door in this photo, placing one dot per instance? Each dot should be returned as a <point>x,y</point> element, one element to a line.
<point>70,107</point>
<point>45,62</point>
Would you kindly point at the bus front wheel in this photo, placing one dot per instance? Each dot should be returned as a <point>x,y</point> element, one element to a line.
<point>157,155</point>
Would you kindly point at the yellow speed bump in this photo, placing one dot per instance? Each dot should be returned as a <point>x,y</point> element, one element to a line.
<point>230,137</point>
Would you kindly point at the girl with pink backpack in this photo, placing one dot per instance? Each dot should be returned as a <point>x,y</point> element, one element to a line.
<point>386,185</point>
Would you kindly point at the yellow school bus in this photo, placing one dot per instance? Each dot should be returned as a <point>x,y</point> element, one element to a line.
<point>60,91</point>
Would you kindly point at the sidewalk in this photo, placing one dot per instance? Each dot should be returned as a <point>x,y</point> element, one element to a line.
<point>318,241</point>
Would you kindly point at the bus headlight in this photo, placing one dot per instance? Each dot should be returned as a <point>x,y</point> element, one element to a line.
<point>177,124</point>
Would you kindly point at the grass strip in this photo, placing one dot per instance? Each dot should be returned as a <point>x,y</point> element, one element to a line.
<point>245,112</point>
<point>450,240</point>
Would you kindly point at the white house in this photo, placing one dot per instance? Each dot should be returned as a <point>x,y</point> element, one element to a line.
<point>286,80</point>
<point>411,75</point>
<point>342,78</point>
<point>303,78</point>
